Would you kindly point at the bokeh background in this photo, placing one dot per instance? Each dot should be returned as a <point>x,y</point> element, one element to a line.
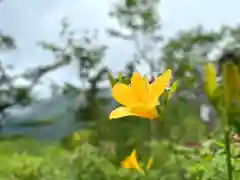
<point>55,96</point>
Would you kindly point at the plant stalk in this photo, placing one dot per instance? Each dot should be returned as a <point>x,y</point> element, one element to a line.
<point>228,152</point>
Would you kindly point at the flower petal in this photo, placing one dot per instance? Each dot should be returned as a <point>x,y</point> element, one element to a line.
<point>121,112</point>
<point>141,88</point>
<point>134,153</point>
<point>137,83</point>
<point>144,112</point>
<point>131,162</point>
<point>210,79</point>
<point>159,85</point>
<point>123,95</point>
<point>126,163</point>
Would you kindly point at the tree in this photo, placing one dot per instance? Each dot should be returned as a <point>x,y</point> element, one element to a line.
<point>10,94</point>
<point>140,24</point>
<point>186,53</point>
<point>85,51</point>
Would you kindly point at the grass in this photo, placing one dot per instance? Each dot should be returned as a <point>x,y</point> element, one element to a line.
<point>23,158</point>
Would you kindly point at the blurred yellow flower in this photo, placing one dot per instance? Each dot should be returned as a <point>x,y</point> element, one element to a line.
<point>231,83</point>
<point>131,162</point>
<point>210,82</point>
<point>140,98</point>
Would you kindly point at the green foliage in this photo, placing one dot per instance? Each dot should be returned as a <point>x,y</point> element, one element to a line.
<point>6,42</point>
<point>27,160</point>
<point>86,52</point>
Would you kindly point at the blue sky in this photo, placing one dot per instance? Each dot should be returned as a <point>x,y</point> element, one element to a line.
<point>30,21</point>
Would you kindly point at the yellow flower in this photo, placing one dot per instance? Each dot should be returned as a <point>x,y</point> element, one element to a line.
<point>232,83</point>
<point>139,98</point>
<point>210,79</point>
<point>131,162</point>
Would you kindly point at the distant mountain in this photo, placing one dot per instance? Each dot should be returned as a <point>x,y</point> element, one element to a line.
<point>49,119</point>
<point>44,109</point>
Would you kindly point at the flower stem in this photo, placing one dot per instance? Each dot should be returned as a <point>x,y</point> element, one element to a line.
<point>228,153</point>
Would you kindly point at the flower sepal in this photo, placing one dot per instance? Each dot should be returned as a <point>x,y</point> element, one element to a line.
<point>120,79</point>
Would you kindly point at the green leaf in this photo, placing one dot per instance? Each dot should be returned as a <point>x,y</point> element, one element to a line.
<point>120,76</point>
<point>208,157</point>
<point>125,80</point>
<point>130,3</point>
<point>111,79</point>
<point>172,89</point>
<point>220,144</point>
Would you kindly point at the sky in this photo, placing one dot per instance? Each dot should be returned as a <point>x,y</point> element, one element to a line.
<point>31,21</point>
